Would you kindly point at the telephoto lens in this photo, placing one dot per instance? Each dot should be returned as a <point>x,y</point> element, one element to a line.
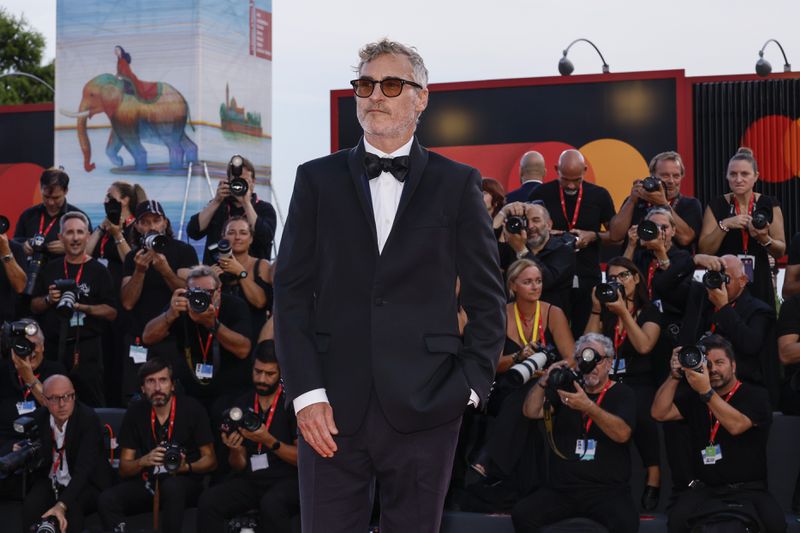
<point>714,280</point>
<point>236,182</point>
<point>224,249</point>
<point>154,241</point>
<point>647,230</point>
<point>199,299</point>
<point>522,372</point>
<point>516,224</point>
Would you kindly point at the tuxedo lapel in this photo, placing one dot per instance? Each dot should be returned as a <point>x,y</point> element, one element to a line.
<point>417,161</point>
<point>355,161</point>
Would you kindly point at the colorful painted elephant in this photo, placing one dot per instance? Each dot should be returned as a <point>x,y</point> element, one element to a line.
<point>163,121</point>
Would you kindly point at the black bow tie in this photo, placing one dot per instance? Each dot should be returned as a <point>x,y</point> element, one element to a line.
<point>397,166</point>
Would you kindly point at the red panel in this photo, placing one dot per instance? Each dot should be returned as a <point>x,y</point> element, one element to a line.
<point>26,108</point>
<point>20,185</point>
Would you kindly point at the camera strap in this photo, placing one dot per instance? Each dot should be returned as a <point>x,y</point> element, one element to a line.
<point>712,420</point>
<point>171,422</point>
<point>42,230</point>
<point>548,426</point>
<point>737,210</point>
<point>257,409</point>
<point>571,225</point>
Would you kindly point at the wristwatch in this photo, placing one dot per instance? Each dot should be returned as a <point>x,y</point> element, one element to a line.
<point>7,258</point>
<point>243,274</point>
<point>707,396</point>
<point>213,329</point>
<point>275,446</point>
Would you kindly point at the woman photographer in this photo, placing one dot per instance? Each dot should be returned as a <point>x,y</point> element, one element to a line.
<point>745,223</point>
<point>627,316</point>
<point>244,275</point>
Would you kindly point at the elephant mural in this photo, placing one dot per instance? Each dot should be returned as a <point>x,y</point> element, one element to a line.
<point>161,120</point>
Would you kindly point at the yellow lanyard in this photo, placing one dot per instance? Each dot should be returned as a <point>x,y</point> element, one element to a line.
<point>519,324</point>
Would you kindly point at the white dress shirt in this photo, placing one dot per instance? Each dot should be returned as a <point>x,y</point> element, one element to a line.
<point>61,474</point>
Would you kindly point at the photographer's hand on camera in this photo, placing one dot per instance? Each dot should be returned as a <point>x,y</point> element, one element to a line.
<point>577,401</point>
<point>656,198</point>
<point>207,318</point>
<point>59,510</point>
<point>585,238</point>
<point>178,304</point>
<point>154,458</point>
<point>737,222</point>
<point>675,368</point>
<point>53,296</point>
<point>619,306</point>
<point>142,260</point>
<point>234,441</point>
<point>231,265</point>
<point>55,247</point>
<point>699,381</point>
<point>718,297</point>
<point>709,262</point>
<point>223,192</point>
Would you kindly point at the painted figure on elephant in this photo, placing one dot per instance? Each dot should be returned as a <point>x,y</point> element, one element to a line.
<point>145,90</point>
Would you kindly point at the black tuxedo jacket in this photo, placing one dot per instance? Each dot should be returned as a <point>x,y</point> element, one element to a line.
<point>354,321</point>
<point>85,450</point>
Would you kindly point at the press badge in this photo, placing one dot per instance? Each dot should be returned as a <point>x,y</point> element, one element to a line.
<point>619,367</point>
<point>585,449</point>
<point>711,454</point>
<point>23,408</point>
<point>103,261</point>
<point>158,470</point>
<point>576,284</point>
<point>204,371</point>
<point>259,462</point>
<point>77,319</point>
<point>138,354</point>
<point>749,265</point>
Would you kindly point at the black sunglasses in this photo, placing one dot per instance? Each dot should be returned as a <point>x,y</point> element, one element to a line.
<point>390,87</point>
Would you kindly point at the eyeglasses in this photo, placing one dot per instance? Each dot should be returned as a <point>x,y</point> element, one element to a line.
<point>390,87</point>
<point>622,276</point>
<point>57,400</point>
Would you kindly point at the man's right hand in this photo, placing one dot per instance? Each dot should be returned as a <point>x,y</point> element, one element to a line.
<point>154,458</point>
<point>232,440</point>
<point>223,191</point>
<point>178,304</point>
<point>709,262</point>
<point>317,427</point>
<point>142,259</point>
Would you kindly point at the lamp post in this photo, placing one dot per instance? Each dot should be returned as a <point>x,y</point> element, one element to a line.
<point>763,67</point>
<point>565,66</point>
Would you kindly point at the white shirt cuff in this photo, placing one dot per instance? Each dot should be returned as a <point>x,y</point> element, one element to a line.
<point>474,399</point>
<point>307,398</point>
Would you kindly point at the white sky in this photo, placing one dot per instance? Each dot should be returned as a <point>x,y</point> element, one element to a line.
<point>315,43</point>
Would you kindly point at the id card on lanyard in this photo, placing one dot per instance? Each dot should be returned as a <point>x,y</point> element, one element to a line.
<point>713,452</point>
<point>586,449</point>
<point>748,260</point>
<point>259,460</point>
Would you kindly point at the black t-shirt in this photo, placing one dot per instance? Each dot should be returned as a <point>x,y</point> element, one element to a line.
<point>106,251</point>
<point>36,220</point>
<point>156,294</point>
<point>232,374</point>
<point>13,391</point>
<point>191,429</point>
<point>596,210</point>
<point>686,207</point>
<point>789,324</point>
<point>794,250</point>
<point>629,365</point>
<point>611,466</point>
<point>95,288</point>
<point>744,456</point>
<point>8,295</point>
<point>283,428</point>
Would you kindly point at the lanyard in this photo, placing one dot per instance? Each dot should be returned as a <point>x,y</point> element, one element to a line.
<point>271,410</point>
<point>571,225</point>
<point>745,233</point>
<point>599,401</point>
<point>42,230</point>
<point>651,271</point>
<point>59,462</point>
<point>80,271</point>
<point>536,325</point>
<point>620,334</point>
<point>714,324</point>
<point>711,417</point>
<point>25,390</point>
<point>171,422</point>
<point>209,338</point>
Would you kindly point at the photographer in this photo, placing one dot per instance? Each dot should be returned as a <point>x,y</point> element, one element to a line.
<point>12,276</point>
<point>526,234</point>
<point>264,460</point>
<point>227,203</point>
<point>634,323</point>
<point>243,275</point>
<point>729,423</point>
<point>791,278</point>
<point>75,298</point>
<point>212,331</point>
<point>43,219</point>
<point>158,265</point>
<point>665,193</point>
<point>74,470</point>
<point>165,448</point>
<point>590,468</point>
<point>582,209</point>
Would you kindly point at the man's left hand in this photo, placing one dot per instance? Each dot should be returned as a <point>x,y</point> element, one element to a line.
<point>24,367</point>
<point>576,400</point>
<point>585,238</point>
<point>58,510</point>
<point>160,264</point>
<point>207,318</point>
<point>654,198</point>
<point>699,381</point>
<point>718,297</point>
<point>260,435</point>
<point>55,247</point>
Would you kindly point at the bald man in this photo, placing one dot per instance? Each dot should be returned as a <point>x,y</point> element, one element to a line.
<point>585,210</point>
<point>74,469</point>
<point>532,171</point>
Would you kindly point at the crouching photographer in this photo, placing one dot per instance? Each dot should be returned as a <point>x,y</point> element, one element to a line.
<point>261,436</point>
<point>589,420</point>
<point>65,453</point>
<point>729,424</point>
<point>165,446</point>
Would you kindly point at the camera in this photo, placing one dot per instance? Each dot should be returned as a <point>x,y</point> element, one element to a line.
<point>172,456</point>
<point>522,372</point>
<point>647,230</point>
<point>516,224</point>
<point>69,296</point>
<point>113,209</point>
<point>714,280</point>
<point>224,249</point>
<point>153,241</point>
<point>4,224</point>
<point>608,292</point>
<point>236,182</point>
<point>35,262</point>
<point>570,239</point>
<point>48,524</point>
<point>693,357</point>
<point>564,378</point>
<point>652,184</point>
<point>236,417</point>
<point>761,217</point>
<point>199,299</point>
<point>13,336</point>
<point>27,457</point>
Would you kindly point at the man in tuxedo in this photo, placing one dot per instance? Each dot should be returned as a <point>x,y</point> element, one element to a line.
<point>532,171</point>
<point>365,310</point>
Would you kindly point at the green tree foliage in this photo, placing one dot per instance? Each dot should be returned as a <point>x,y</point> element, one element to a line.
<point>21,50</point>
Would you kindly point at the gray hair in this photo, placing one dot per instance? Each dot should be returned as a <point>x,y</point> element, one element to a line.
<point>661,211</point>
<point>602,340</point>
<point>73,214</point>
<point>203,271</point>
<point>372,50</point>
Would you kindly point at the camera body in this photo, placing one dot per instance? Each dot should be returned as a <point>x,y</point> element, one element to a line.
<point>48,524</point>
<point>761,217</point>
<point>153,240</point>
<point>69,296</point>
<point>28,456</point>
<point>715,280</point>
<point>647,230</point>
<point>35,262</point>
<point>224,250</point>
<point>172,456</point>
<point>113,209</point>
<point>652,184</point>
<point>570,239</point>
<point>236,417</point>
<point>522,372</point>
<point>199,299</point>
<point>516,224</point>
<point>564,378</point>
<point>236,182</point>
<point>693,357</point>
<point>13,336</point>
<point>608,292</point>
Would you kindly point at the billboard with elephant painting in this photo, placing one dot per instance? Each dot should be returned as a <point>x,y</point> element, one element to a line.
<point>147,87</point>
